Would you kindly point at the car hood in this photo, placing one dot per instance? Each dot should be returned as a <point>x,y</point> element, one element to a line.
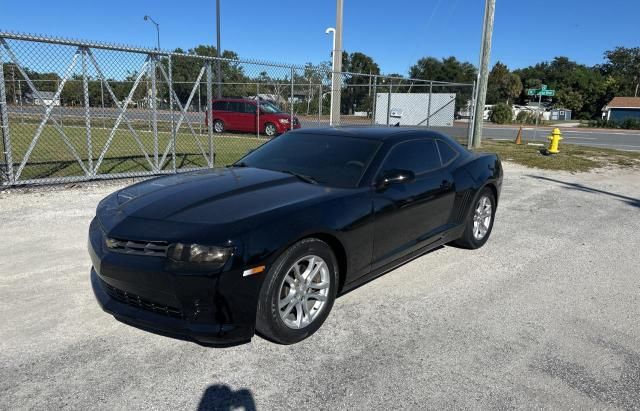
<point>217,196</point>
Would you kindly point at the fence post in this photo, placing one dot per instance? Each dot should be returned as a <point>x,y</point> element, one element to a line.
<point>87,113</point>
<point>212,154</point>
<point>291,119</point>
<point>257,110</point>
<point>4,119</point>
<point>173,129</point>
<point>375,100</point>
<point>389,100</point>
<point>154,109</point>
<point>429,105</point>
<point>319,102</point>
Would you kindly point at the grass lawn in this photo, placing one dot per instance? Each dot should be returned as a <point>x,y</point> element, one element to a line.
<point>52,158</point>
<point>571,157</point>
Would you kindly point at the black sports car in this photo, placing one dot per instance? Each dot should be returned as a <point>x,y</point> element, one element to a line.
<point>268,243</point>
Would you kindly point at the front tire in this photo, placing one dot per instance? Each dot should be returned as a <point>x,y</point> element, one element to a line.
<point>479,222</point>
<point>298,292</point>
<point>270,130</point>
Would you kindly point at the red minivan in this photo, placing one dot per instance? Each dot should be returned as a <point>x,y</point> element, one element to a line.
<point>239,114</point>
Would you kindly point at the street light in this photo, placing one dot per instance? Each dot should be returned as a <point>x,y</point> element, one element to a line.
<point>336,75</point>
<point>148,18</point>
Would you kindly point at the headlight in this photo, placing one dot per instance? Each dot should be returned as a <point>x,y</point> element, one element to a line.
<point>197,253</point>
<point>284,120</point>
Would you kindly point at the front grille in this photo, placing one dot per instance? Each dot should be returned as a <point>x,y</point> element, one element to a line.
<point>150,248</point>
<point>137,301</point>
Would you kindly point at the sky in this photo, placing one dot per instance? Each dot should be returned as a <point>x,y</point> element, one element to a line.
<point>395,33</point>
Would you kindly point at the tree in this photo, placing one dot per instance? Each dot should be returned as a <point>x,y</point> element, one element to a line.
<point>357,95</point>
<point>448,69</point>
<point>503,85</point>
<point>502,113</point>
<point>623,64</point>
<point>585,88</point>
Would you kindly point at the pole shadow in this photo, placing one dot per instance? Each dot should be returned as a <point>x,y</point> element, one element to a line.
<point>634,202</point>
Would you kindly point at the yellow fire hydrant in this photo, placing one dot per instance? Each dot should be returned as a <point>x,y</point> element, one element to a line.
<point>554,140</point>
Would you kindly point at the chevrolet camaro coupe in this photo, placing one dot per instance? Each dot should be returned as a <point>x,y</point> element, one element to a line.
<point>267,243</point>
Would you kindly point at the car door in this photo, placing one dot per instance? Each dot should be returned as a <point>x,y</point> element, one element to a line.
<point>249,117</point>
<point>234,109</point>
<point>411,215</point>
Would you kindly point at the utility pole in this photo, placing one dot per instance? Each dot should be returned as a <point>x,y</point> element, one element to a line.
<point>483,73</point>
<point>218,51</point>
<point>336,76</point>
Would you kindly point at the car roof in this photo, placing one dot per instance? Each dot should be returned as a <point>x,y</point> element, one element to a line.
<point>372,133</point>
<point>239,99</point>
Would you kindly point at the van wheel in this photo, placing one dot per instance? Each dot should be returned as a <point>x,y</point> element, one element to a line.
<point>218,126</point>
<point>270,130</point>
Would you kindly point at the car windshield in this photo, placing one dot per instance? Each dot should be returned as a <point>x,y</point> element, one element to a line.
<point>269,108</point>
<point>336,161</point>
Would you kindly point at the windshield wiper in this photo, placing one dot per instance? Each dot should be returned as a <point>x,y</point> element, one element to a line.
<point>240,164</point>
<point>302,177</point>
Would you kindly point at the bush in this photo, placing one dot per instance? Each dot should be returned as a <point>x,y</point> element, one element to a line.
<point>501,114</point>
<point>628,124</point>
<point>526,117</point>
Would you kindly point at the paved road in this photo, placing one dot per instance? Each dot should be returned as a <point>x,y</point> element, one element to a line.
<point>618,139</point>
<point>546,315</point>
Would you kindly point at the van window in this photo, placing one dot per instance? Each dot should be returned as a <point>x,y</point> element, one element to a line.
<point>220,105</point>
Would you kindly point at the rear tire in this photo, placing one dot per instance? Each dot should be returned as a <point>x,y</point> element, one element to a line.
<point>293,301</point>
<point>218,126</point>
<point>479,221</point>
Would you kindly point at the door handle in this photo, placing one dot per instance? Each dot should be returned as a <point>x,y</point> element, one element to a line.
<point>446,185</point>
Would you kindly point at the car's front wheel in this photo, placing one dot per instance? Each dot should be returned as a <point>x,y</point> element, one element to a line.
<point>270,130</point>
<point>298,292</point>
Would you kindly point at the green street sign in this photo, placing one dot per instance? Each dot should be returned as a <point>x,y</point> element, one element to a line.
<point>541,92</point>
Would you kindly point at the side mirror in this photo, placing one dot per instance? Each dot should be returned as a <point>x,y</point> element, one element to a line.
<point>395,177</point>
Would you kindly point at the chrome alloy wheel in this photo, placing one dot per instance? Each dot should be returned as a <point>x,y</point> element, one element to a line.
<point>304,291</point>
<point>482,217</point>
<point>218,127</point>
<point>270,130</point>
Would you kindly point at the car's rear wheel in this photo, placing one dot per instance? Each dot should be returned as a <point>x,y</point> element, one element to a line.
<point>218,126</point>
<point>298,292</point>
<point>479,222</point>
<point>270,130</point>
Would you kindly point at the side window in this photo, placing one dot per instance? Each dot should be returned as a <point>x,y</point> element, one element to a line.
<point>447,153</point>
<point>417,156</point>
<point>220,105</point>
<point>235,106</point>
<point>249,108</point>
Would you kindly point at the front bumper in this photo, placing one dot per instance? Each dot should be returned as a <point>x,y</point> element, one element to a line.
<point>140,291</point>
<point>283,128</point>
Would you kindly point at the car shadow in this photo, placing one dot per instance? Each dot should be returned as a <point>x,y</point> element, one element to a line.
<point>222,397</point>
<point>634,202</point>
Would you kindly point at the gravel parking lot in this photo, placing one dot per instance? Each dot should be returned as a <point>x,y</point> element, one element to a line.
<point>547,314</point>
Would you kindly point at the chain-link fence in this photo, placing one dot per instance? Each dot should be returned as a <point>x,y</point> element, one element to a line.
<point>76,111</point>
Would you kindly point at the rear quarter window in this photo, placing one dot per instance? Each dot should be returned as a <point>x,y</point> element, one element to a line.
<point>447,153</point>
